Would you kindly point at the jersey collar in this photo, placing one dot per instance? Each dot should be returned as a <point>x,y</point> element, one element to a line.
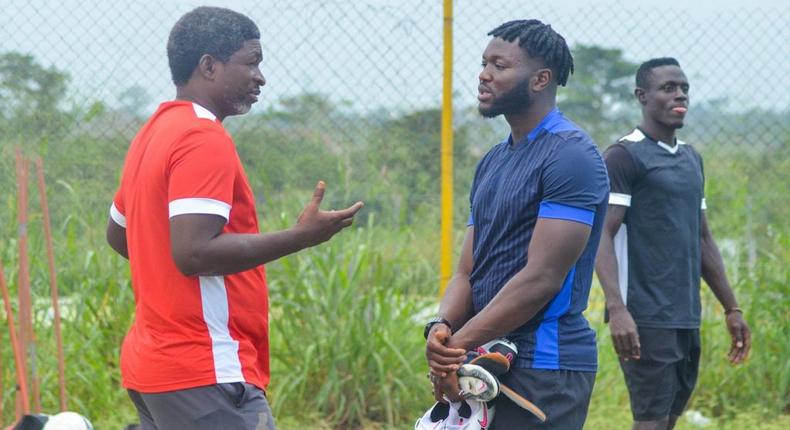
<point>553,118</point>
<point>662,145</point>
<point>550,120</point>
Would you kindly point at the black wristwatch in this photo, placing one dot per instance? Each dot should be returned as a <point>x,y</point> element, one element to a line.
<point>435,320</point>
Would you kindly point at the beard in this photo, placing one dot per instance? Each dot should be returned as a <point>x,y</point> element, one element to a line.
<point>514,101</point>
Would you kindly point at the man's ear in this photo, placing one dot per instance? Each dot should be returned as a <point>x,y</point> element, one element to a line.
<point>640,95</point>
<point>542,79</point>
<point>207,67</point>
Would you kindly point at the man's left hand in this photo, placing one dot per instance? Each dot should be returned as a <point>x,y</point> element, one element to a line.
<point>741,337</point>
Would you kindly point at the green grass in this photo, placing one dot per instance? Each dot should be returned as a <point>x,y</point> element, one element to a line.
<point>346,326</point>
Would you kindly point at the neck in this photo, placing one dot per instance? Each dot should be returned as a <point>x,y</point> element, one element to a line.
<point>188,94</point>
<point>658,131</point>
<point>522,123</point>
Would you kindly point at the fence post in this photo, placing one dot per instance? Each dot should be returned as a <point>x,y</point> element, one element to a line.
<point>446,243</point>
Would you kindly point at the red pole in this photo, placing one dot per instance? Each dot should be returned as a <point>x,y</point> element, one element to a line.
<point>21,373</point>
<point>23,286</point>
<point>53,281</point>
<point>2,388</point>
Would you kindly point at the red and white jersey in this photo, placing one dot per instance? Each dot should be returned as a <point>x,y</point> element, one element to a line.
<point>198,330</point>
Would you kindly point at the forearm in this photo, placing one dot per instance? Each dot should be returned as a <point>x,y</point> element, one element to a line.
<point>714,274</point>
<point>511,308</point>
<point>606,268</point>
<point>232,252</point>
<point>456,305</point>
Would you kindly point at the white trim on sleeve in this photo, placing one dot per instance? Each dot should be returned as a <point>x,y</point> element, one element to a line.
<point>199,206</point>
<point>703,205</point>
<point>117,216</point>
<point>620,199</point>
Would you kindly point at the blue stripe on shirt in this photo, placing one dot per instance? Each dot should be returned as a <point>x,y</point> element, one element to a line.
<point>547,337</point>
<point>569,213</point>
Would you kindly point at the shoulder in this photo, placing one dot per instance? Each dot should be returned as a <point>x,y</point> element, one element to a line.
<point>635,136</point>
<point>190,120</point>
<point>573,145</point>
<point>631,148</point>
<point>685,146</point>
<point>564,136</point>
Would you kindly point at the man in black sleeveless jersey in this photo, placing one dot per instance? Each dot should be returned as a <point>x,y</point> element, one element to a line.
<point>654,248</point>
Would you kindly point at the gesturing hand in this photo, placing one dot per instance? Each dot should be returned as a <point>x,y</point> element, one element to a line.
<point>317,225</point>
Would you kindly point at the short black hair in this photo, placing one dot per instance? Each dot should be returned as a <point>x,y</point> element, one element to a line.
<point>215,31</point>
<point>643,72</point>
<point>539,40</point>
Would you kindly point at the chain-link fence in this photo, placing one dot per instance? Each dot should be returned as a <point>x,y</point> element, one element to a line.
<point>354,88</point>
<point>353,97</point>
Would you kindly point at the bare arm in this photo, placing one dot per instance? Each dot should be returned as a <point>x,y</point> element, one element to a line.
<point>622,327</point>
<point>716,277</point>
<point>199,247</point>
<point>116,237</point>
<point>555,246</point>
<point>456,307</point>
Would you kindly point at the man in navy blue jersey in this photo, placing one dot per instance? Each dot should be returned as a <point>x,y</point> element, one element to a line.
<point>538,202</point>
<point>654,247</point>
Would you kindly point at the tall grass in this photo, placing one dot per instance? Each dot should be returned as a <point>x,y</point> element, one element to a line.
<point>344,333</point>
<point>347,350</point>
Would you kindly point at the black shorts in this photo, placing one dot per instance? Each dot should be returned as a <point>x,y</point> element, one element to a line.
<point>563,395</point>
<point>660,383</point>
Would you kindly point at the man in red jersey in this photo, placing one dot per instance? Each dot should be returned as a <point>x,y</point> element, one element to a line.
<point>197,354</point>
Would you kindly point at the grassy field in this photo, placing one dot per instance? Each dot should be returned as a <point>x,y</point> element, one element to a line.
<point>346,319</point>
<point>346,337</point>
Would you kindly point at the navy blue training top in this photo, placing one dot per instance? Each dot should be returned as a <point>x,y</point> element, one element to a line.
<point>555,172</point>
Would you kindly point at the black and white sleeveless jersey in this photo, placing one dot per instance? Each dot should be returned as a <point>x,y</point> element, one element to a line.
<point>658,245</point>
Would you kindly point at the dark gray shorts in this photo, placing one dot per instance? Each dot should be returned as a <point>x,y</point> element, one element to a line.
<point>230,406</point>
<point>563,395</point>
<point>660,383</point>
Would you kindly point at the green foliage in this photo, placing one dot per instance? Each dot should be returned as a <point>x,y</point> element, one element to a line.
<point>346,332</point>
<point>346,316</point>
<point>599,95</point>
<point>29,98</point>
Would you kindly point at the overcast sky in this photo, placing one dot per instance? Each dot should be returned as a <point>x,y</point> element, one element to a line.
<point>385,53</point>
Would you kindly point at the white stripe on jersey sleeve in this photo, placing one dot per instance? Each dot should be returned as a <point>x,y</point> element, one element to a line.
<point>621,255</point>
<point>117,216</point>
<point>224,349</point>
<point>703,205</point>
<point>620,199</point>
<point>199,206</point>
